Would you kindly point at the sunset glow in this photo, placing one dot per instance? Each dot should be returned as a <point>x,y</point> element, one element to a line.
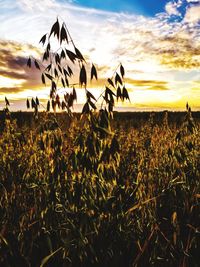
<point>158,44</point>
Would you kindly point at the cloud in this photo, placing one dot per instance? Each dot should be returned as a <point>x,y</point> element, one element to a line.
<point>178,52</point>
<point>192,14</point>
<point>148,83</point>
<point>149,47</point>
<point>13,70</point>
<point>158,88</point>
<point>10,90</point>
<point>193,1</point>
<point>30,5</point>
<point>12,74</point>
<point>121,37</point>
<point>172,8</point>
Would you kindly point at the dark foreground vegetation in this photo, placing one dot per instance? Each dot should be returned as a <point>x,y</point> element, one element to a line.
<point>74,195</point>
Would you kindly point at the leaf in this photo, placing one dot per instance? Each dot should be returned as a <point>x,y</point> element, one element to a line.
<point>4,240</point>
<point>33,103</point>
<point>66,97</point>
<point>7,102</point>
<point>89,95</point>
<point>58,100</point>
<point>48,67</point>
<point>37,65</point>
<point>92,104</point>
<point>47,258</point>
<point>83,76</point>
<point>63,105</point>
<point>63,34</point>
<point>43,78</point>
<point>48,47</point>
<point>112,101</point>
<point>93,72</point>
<point>86,108</point>
<point>63,83</point>
<point>109,96</point>
<point>48,106</point>
<point>57,59</point>
<point>117,79</point>
<point>45,56</point>
<point>110,107</point>
<point>74,94</point>
<point>37,101</point>
<point>66,73</point>
<point>53,86</point>
<point>29,62</point>
<point>43,39</point>
<point>51,93</point>
<point>53,103</point>
<point>122,71</point>
<point>78,54</point>
<point>119,93</point>
<point>114,147</point>
<point>103,118</point>
<point>66,81</point>
<point>55,72</point>
<point>140,204</point>
<point>110,92</point>
<point>110,82</point>
<point>125,94</point>
<point>27,103</point>
<point>71,55</point>
<point>174,218</point>
<point>62,55</point>
<point>70,100</point>
<point>69,71</point>
<point>60,69</point>
<point>55,29</point>
<point>103,131</point>
<point>48,76</point>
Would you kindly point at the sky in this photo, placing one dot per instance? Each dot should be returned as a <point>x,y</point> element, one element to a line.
<point>158,43</point>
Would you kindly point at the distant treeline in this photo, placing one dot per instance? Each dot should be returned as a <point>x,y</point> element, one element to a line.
<point>134,119</point>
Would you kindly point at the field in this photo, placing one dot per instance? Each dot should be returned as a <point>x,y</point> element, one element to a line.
<point>125,193</point>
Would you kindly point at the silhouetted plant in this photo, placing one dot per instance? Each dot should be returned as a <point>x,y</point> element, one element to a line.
<point>59,66</point>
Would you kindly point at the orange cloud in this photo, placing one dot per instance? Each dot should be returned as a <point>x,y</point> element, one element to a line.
<point>149,84</point>
<point>13,67</point>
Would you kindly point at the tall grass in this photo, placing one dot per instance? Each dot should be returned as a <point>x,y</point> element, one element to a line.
<point>126,197</point>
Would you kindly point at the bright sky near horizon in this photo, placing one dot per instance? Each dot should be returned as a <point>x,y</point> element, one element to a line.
<point>158,43</point>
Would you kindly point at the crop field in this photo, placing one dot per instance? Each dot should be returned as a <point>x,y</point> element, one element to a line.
<point>126,194</point>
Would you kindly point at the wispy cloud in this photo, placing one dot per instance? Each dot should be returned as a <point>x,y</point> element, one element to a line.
<point>148,83</point>
<point>14,74</point>
<point>117,32</point>
<point>172,8</point>
<point>10,90</point>
<point>192,14</point>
